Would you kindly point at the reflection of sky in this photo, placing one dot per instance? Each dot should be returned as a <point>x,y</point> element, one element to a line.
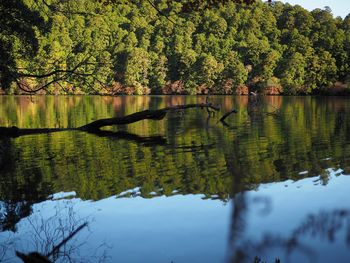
<point>291,203</point>
<point>190,229</point>
<point>178,228</point>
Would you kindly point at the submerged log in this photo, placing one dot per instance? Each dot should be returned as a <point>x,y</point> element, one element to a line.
<point>222,119</point>
<point>95,126</point>
<point>142,115</point>
<point>16,132</point>
<point>138,116</point>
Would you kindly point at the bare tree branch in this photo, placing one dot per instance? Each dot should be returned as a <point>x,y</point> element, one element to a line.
<point>95,126</point>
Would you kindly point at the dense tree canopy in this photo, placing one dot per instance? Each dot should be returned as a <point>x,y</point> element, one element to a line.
<point>137,47</point>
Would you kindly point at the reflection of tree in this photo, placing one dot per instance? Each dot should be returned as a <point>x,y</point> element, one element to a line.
<point>55,237</point>
<point>12,212</point>
<point>325,226</point>
<point>18,194</point>
<point>245,249</point>
<point>47,234</point>
<point>96,125</point>
<point>5,243</point>
<point>142,140</point>
<point>194,158</point>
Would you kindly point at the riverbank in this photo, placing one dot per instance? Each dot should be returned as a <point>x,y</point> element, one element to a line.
<point>177,88</point>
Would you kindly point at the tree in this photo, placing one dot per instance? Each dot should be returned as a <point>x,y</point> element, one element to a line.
<point>210,68</point>
<point>321,71</point>
<point>136,71</point>
<point>17,37</point>
<point>293,73</point>
<point>85,46</point>
<point>234,69</point>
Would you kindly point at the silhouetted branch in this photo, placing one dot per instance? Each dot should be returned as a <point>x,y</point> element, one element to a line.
<point>95,126</point>
<point>65,240</point>
<point>222,119</point>
<point>16,132</point>
<point>53,238</point>
<point>141,115</point>
<point>146,141</point>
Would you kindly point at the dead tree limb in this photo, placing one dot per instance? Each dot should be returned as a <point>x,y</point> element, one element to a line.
<point>16,132</point>
<point>135,117</point>
<point>222,119</point>
<point>141,115</point>
<point>95,126</point>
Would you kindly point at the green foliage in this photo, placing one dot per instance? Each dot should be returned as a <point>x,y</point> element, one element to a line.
<point>293,72</point>
<point>208,70</point>
<point>322,70</point>
<point>158,72</point>
<point>234,69</point>
<point>18,41</point>
<point>135,45</point>
<point>136,70</point>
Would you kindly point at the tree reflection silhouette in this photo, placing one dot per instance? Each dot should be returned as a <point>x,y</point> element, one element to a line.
<point>325,225</point>
<point>54,237</point>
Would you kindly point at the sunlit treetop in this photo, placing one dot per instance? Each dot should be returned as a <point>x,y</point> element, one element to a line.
<point>163,46</point>
<point>191,5</point>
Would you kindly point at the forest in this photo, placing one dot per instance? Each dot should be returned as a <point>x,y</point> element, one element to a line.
<point>159,47</point>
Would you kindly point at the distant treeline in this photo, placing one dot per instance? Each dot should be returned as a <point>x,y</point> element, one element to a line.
<point>141,47</point>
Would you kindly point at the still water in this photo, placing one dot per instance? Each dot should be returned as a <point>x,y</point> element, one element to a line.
<point>270,183</point>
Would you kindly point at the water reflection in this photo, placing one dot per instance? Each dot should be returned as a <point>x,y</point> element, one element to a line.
<point>161,229</point>
<point>190,162</point>
<point>54,232</point>
<point>304,221</point>
<point>273,221</point>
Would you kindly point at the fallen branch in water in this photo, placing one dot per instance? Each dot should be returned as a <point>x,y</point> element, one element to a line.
<point>95,126</point>
<point>143,140</point>
<point>16,132</point>
<point>222,119</point>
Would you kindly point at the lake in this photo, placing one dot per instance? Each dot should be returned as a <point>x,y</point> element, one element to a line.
<point>269,183</point>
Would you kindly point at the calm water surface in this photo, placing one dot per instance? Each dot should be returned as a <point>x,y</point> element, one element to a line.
<point>271,183</point>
